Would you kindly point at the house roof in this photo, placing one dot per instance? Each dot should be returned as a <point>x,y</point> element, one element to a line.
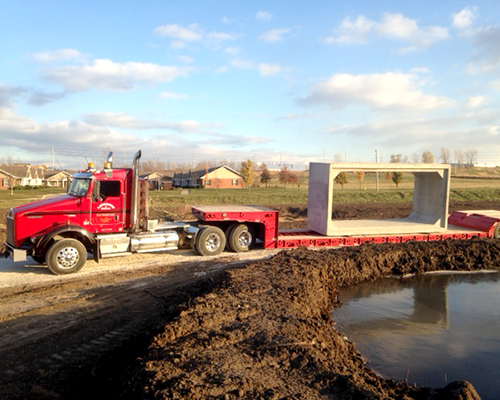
<point>201,173</point>
<point>52,174</point>
<point>22,171</point>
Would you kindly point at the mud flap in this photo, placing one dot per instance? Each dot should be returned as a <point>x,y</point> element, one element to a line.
<point>96,251</point>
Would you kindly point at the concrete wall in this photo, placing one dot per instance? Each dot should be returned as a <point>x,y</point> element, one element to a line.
<point>430,200</point>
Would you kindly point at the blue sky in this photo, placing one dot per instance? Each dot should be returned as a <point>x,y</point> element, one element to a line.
<point>271,81</point>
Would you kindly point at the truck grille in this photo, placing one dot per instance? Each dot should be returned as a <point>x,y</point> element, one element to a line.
<point>10,229</point>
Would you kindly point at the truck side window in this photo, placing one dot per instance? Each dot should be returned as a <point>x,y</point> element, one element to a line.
<point>109,189</point>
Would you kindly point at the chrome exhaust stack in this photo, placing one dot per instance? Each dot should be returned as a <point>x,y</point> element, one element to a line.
<point>135,192</point>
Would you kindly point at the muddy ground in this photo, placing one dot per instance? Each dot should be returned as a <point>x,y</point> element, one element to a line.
<point>215,330</point>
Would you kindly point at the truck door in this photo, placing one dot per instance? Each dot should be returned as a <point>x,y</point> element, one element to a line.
<point>108,207</point>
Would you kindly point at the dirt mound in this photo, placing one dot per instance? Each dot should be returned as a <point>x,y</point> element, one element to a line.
<point>266,332</point>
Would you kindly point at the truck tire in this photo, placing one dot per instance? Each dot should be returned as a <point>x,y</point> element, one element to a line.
<point>38,259</point>
<point>496,231</point>
<point>210,241</point>
<point>66,256</point>
<point>241,238</point>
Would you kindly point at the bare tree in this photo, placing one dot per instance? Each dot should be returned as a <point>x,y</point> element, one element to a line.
<point>9,160</point>
<point>427,157</point>
<point>337,157</point>
<point>396,158</point>
<point>415,158</point>
<point>471,157</point>
<point>444,155</point>
<point>459,157</point>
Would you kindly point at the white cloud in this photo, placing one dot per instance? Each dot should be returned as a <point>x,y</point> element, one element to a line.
<point>379,91</point>
<point>186,59</point>
<point>173,96</point>
<point>264,16</point>
<point>271,69</point>
<point>243,64</point>
<point>59,55</point>
<point>392,26</point>
<point>75,139</point>
<point>274,35</point>
<point>465,17</point>
<point>221,70</point>
<point>193,33</point>
<point>353,31</point>
<point>475,101</point>
<point>231,50</point>
<point>125,121</point>
<point>420,70</point>
<point>189,34</point>
<point>110,76</point>
<point>486,58</point>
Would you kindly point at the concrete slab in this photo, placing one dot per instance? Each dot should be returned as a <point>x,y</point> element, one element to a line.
<point>430,200</point>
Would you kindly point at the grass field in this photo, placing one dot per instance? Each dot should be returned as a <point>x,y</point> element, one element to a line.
<point>464,188</point>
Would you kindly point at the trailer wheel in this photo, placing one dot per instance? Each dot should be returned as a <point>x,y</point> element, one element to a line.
<point>241,238</point>
<point>210,241</point>
<point>496,231</point>
<point>66,256</point>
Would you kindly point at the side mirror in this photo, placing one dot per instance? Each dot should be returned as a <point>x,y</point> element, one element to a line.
<point>96,191</point>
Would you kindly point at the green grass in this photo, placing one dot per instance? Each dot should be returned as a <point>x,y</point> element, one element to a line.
<point>15,198</point>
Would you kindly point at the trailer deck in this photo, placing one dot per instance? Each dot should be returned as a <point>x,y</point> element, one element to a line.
<point>461,225</point>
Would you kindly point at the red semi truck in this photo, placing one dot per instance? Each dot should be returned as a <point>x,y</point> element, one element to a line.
<point>105,214</point>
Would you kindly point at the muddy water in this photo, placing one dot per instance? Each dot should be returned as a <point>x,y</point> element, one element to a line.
<point>429,329</point>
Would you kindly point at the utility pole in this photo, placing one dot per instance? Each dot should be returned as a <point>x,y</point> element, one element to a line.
<point>52,159</point>
<point>376,173</point>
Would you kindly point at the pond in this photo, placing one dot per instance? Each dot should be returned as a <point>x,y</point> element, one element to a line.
<point>429,329</point>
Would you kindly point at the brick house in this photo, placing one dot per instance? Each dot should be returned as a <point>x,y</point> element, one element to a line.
<point>222,177</point>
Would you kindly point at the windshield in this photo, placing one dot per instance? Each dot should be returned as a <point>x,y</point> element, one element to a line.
<point>79,187</point>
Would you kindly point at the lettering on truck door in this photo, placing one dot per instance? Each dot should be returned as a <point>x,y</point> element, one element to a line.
<point>107,209</point>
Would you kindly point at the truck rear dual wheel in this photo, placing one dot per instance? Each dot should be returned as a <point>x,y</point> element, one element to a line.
<point>240,238</point>
<point>66,256</point>
<point>210,241</point>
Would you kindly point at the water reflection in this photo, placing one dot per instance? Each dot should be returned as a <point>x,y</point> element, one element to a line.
<point>432,329</point>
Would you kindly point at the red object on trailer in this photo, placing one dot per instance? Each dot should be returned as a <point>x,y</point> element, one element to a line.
<point>462,225</point>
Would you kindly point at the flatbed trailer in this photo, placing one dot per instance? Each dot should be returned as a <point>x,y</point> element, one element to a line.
<point>264,223</point>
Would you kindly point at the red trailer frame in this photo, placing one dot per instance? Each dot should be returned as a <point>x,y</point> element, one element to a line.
<point>461,225</point>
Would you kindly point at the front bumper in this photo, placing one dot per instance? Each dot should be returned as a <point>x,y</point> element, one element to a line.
<point>15,254</point>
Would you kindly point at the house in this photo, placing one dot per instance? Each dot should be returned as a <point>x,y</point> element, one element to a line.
<point>59,179</point>
<point>21,175</point>
<point>157,181</point>
<point>222,177</point>
<point>6,180</point>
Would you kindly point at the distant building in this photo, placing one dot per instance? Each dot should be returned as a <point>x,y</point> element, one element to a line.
<point>222,177</point>
<point>59,179</point>
<point>157,181</point>
<point>21,175</point>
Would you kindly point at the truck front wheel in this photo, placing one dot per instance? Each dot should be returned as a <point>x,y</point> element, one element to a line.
<point>66,256</point>
<point>210,241</point>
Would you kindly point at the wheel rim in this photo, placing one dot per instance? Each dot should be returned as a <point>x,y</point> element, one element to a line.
<point>244,239</point>
<point>67,257</point>
<point>213,242</point>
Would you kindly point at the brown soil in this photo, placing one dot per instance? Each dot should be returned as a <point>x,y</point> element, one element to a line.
<point>204,330</point>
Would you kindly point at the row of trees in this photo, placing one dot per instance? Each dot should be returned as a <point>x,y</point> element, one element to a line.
<point>461,157</point>
<point>285,176</point>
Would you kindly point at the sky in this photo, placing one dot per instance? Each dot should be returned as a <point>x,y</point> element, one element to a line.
<point>277,82</point>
